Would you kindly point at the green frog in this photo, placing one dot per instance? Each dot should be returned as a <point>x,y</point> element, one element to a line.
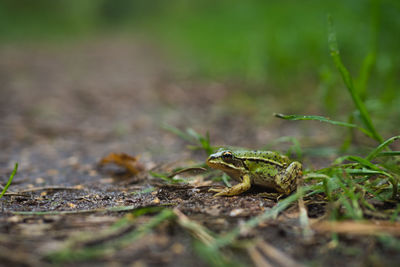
<point>263,168</point>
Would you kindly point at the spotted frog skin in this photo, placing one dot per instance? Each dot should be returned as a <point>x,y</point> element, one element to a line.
<point>263,168</point>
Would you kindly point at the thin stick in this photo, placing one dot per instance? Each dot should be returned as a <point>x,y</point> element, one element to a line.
<point>277,255</point>
<point>51,188</point>
<point>258,258</point>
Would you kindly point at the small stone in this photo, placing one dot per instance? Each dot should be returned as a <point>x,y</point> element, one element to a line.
<point>236,212</point>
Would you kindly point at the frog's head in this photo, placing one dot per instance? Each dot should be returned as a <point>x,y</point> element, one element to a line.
<point>225,160</point>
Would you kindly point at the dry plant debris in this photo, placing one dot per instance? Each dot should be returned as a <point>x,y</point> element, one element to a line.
<point>130,163</point>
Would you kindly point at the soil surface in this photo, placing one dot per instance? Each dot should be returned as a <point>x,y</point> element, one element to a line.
<point>64,108</point>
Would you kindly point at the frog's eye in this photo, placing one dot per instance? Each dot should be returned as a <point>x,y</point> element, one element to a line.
<point>227,155</point>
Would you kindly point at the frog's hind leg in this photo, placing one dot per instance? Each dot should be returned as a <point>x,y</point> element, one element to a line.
<point>286,180</point>
<point>234,190</point>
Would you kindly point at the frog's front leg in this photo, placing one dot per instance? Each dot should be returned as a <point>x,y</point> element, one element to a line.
<point>234,190</point>
<point>286,180</point>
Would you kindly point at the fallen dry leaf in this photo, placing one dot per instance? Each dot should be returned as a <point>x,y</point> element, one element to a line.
<point>130,163</point>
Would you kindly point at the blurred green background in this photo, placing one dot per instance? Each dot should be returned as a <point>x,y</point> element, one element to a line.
<point>281,45</point>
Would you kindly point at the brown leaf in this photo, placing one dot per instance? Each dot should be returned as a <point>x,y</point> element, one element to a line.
<point>130,163</point>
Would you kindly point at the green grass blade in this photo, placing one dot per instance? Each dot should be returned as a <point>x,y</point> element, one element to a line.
<point>349,136</point>
<point>225,179</point>
<point>349,198</point>
<point>370,58</point>
<point>204,141</point>
<point>313,118</point>
<point>374,153</point>
<point>176,131</point>
<point>213,256</point>
<point>365,71</point>
<point>193,137</point>
<point>357,159</point>
<point>165,177</point>
<point>322,119</point>
<point>9,180</point>
<point>365,172</point>
<point>388,154</point>
<point>365,117</point>
<point>395,214</point>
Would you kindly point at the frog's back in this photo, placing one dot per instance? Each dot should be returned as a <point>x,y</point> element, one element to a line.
<point>260,154</point>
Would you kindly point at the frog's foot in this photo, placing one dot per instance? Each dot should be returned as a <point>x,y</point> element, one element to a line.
<point>234,190</point>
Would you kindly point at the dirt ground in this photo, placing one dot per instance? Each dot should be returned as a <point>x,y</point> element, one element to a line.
<point>63,108</point>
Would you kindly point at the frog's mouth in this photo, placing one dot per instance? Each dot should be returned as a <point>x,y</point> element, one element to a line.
<point>226,167</point>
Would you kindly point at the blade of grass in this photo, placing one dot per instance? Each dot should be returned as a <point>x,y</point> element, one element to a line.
<point>315,118</point>
<point>328,187</point>
<point>334,49</point>
<point>9,180</point>
<point>322,119</point>
<point>193,137</point>
<point>374,153</point>
<point>144,191</point>
<point>178,132</point>
<point>349,136</point>
<point>166,177</point>
<point>203,140</point>
<point>349,198</point>
<point>213,256</point>
<point>370,58</point>
<point>349,210</point>
<point>388,154</point>
<point>395,214</point>
<point>362,161</point>
<point>365,71</point>
<point>365,172</point>
<point>225,179</point>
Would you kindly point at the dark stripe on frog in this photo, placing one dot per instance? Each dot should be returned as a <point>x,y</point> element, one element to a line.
<point>270,161</point>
